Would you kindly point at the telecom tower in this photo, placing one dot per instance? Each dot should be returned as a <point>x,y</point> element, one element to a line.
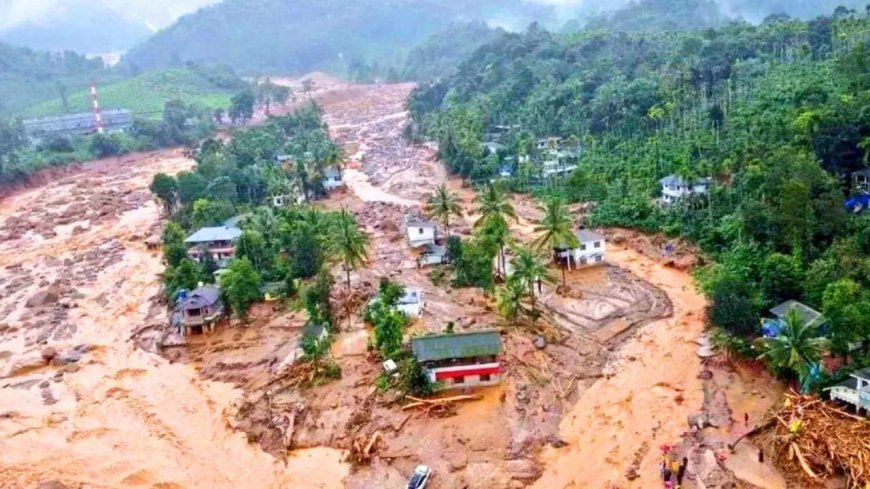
<point>95,99</point>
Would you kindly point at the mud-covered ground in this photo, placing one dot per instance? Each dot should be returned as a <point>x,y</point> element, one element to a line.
<point>86,399</point>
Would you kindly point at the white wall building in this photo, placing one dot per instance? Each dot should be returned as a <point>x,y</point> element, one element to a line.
<point>855,391</point>
<point>420,233</point>
<point>332,178</point>
<point>411,304</point>
<point>675,188</point>
<point>591,251</point>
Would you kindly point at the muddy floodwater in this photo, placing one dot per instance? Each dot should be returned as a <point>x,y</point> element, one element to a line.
<point>87,399</point>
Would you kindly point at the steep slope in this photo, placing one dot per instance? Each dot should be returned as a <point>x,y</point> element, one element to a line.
<point>278,36</point>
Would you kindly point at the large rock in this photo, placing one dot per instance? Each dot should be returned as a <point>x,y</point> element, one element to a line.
<point>52,485</point>
<point>21,366</point>
<point>42,298</point>
<point>49,353</point>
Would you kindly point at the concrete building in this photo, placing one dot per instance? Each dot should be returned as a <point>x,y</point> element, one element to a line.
<point>591,250</point>
<point>114,120</point>
<point>420,233</point>
<point>456,361</point>
<point>861,181</point>
<point>411,303</point>
<point>332,178</point>
<point>433,255</point>
<point>218,242</point>
<point>855,391</point>
<point>675,188</point>
<point>200,308</point>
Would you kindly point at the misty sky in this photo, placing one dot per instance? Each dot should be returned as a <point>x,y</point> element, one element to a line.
<point>154,13</point>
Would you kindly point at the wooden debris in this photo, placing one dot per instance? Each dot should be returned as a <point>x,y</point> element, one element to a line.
<point>815,439</point>
<point>363,448</point>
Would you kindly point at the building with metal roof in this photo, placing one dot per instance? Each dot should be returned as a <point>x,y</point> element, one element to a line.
<point>218,243</point>
<point>855,390</point>
<point>460,360</point>
<point>113,120</point>
<point>201,308</point>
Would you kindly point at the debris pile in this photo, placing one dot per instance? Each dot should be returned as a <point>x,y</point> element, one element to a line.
<point>816,438</point>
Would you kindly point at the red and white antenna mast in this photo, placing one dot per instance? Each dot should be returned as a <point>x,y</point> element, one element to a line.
<point>95,100</point>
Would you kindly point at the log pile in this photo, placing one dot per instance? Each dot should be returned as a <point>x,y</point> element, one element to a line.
<point>363,447</point>
<point>441,408</point>
<point>817,439</point>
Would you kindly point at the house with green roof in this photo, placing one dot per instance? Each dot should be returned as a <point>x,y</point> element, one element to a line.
<point>459,360</point>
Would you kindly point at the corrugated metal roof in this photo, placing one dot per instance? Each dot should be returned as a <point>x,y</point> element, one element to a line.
<point>83,121</point>
<point>864,373</point>
<point>806,313</point>
<point>460,345</point>
<point>220,233</point>
<point>201,297</point>
<point>587,236</point>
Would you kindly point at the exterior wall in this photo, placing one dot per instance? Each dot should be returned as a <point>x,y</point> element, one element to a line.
<point>332,183</point>
<point>460,377</point>
<point>411,310</point>
<point>845,394</point>
<point>587,254</point>
<point>419,236</point>
<point>197,317</point>
<point>672,194</point>
<point>220,251</point>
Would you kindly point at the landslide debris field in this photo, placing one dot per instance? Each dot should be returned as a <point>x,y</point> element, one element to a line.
<point>93,392</point>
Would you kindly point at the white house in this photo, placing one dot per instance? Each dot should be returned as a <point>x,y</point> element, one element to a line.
<point>332,178</point>
<point>855,391</point>
<point>434,255</point>
<point>591,251</point>
<point>411,304</point>
<point>420,233</point>
<point>675,188</point>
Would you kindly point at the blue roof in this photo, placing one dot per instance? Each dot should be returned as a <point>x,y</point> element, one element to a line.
<point>220,233</point>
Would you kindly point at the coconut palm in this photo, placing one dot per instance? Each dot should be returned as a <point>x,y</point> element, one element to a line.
<point>442,204</point>
<point>347,242</point>
<point>556,230</point>
<point>509,301</point>
<point>495,210</point>
<point>529,269</point>
<point>493,205</point>
<point>797,347</point>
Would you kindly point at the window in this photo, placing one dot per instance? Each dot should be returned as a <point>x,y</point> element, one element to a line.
<point>458,380</point>
<point>598,259</point>
<point>485,378</point>
<point>583,261</point>
<point>582,246</point>
<point>419,230</point>
<point>598,244</point>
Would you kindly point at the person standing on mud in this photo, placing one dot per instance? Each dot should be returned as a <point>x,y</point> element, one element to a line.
<point>681,471</point>
<point>746,419</point>
<point>761,455</point>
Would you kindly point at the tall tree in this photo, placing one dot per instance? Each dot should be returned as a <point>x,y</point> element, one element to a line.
<point>529,270</point>
<point>494,210</point>
<point>241,286</point>
<point>556,230</point>
<point>509,301</point>
<point>442,204</point>
<point>347,242</point>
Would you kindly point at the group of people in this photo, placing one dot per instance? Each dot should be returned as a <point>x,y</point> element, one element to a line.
<point>673,471</point>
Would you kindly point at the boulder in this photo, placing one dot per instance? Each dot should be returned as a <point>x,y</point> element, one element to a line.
<point>42,298</point>
<point>67,358</point>
<point>52,485</point>
<point>539,342</point>
<point>48,353</point>
<point>24,365</point>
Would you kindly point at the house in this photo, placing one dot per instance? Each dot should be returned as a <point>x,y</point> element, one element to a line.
<point>591,251</point>
<point>217,242</point>
<point>433,255</point>
<point>200,308</point>
<point>772,327</point>
<point>493,147</point>
<point>552,143</point>
<point>861,181</point>
<point>411,303</point>
<point>272,291</point>
<point>114,120</point>
<point>284,200</point>
<point>420,233</point>
<point>675,187</point>
<point>855,391</point>
<point>332,178</point>
<point>460,360</point>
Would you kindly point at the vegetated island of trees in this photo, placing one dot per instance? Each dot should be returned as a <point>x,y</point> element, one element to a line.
<point>775,114</point>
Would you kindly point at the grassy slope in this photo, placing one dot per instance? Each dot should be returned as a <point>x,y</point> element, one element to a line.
<point>145,94</point>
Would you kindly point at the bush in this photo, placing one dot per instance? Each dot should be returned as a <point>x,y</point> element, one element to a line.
<point>105,145</point>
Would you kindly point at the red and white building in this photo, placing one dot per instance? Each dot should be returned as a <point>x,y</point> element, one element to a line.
<point>460,360</point>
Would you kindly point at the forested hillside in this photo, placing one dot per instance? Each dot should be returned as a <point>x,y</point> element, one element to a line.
<point>28,76</point>
<point>263,36</point>
<point>777,115</point>
<point>663,15</point>
<point>439,55</point>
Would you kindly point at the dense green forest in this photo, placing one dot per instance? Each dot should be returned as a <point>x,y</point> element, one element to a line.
<point>439,56</point>
<point>275,36</point>
<point>776,114</point>
<point>660,15</point>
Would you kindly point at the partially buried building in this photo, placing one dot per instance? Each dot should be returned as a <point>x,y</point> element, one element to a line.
<point>460,360</point>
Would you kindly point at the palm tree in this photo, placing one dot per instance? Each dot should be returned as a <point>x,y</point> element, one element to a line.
<point>509,301</point>
<point>347,242</point>
<point>495,210</point>
<point>442,204</point>
<point>529,269</point>
<point>556,230</point>
<point>493,204</point>
<point>797,346</point>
